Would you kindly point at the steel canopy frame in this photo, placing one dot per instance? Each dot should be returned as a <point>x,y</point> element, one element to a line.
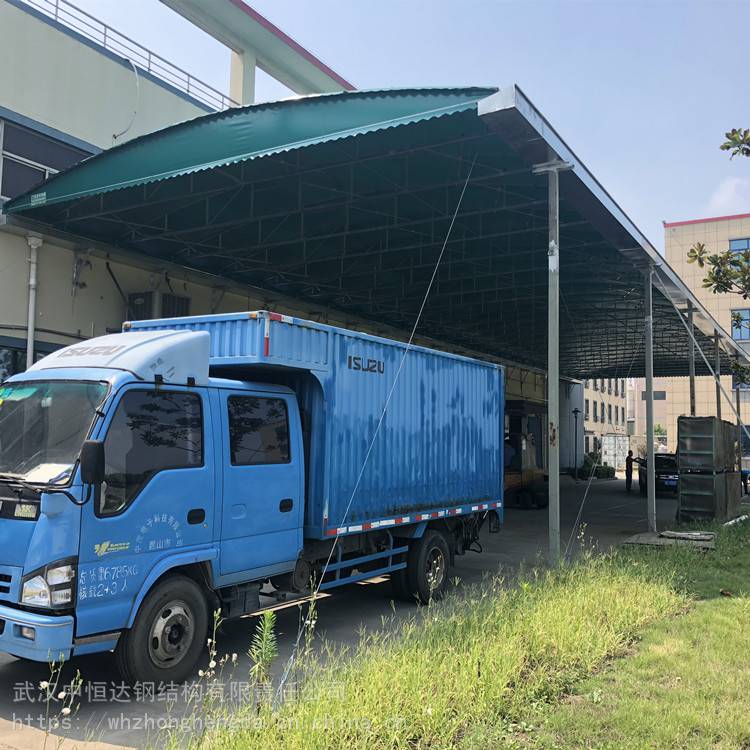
<point>353,216</point>
<point>354,223</point>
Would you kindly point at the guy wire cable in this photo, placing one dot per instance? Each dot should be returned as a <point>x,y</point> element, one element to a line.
<point>290,662</point>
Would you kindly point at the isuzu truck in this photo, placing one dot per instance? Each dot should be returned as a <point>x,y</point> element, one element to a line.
<point>150,477</point>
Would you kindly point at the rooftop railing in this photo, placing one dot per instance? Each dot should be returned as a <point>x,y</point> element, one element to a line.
<point>92,28</point>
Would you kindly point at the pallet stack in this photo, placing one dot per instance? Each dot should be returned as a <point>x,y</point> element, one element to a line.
<point>708,459</point>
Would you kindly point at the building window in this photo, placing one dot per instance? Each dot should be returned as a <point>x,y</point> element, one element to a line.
<point>603,412</point>
<point>658,395</point>
<point>12,361</point>
<point>594,384</point>
<point>739,245</point>
<point>28,158</point>
<point>588,444</point>
<point>601,384</point>
<point>609,413</point>
<point>741,325</point>
<point>622,411</point>
<point>617,387</point>
<point>586,409</point>
<point>596,411</point>
<point>609,386</point>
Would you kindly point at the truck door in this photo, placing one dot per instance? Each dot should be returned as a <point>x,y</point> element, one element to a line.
<point>262,515</point>
<point>156,501</point>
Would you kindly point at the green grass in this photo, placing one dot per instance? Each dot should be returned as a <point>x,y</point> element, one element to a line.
<point>684,686</point>
<point>484,655</point>
<point>540,665</point>
<point>687,684</point>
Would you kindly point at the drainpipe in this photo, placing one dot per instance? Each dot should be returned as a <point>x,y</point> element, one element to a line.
<point>34,244</point>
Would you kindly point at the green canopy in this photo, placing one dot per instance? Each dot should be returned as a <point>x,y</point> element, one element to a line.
<point>238,135</point>
<point>346,201</point>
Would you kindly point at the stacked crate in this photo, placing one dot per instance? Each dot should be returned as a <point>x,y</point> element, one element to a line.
<point>708,458</point>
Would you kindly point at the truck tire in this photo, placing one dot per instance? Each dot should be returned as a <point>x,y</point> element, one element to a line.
<point>168,635</point>
<point>427,570</point>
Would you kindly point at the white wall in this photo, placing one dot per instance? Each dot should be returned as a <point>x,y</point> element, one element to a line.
<point>571,397</point>
<point>51,77</point>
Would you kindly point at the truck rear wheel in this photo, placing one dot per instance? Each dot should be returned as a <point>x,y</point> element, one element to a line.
<point>168,634</point>
<point>426,575</point>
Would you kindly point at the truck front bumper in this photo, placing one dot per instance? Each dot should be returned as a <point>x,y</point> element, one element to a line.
<point>52,635</point>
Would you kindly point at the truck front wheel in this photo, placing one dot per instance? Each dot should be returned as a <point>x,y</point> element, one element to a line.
<point>168,634</point>
<point>426,575</point>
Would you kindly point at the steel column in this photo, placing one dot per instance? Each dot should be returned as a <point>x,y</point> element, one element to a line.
<point>717,372</point>
<point>649,364</point>
<point>552,168</point>
<point>737,404</point>
<point>553,365</point>
<point>691,359</point>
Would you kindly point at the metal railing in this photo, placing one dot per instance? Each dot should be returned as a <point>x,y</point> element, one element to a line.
<point>92,28</point>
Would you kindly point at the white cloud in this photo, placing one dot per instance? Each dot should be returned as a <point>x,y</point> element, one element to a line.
<point>732,196</point>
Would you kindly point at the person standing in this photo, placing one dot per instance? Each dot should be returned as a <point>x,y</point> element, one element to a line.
<point>629,471</point>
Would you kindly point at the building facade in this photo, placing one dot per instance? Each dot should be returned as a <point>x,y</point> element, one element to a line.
<point>672,395</point>
<point>73,86</point>
<point>604,410</point>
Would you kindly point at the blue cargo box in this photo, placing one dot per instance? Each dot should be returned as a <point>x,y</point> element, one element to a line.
<point>439,450</point>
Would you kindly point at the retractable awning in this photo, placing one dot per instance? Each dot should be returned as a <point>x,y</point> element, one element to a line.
<point>345,200</point>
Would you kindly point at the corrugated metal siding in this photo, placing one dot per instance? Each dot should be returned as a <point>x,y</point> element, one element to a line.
<point>232,336</point>
<point>441,441</point>
<point>298,345</point>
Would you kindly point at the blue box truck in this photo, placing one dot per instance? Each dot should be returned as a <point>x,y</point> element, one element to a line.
<point>182,466</point>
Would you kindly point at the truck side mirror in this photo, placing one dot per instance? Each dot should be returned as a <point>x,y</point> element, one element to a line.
<point>92,462</point>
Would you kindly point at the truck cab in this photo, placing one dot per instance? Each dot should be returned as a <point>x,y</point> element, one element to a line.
<point>77,557</point>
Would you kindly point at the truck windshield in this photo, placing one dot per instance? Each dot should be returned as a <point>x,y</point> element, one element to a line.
<point>42,427</point>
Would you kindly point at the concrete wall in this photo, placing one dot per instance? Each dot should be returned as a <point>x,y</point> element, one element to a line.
<point>75,87</point>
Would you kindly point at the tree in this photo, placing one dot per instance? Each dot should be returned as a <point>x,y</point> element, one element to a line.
<point>660,430</point>
<point>728,271</point>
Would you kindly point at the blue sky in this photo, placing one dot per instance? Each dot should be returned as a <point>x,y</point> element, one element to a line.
<point>642,91</point>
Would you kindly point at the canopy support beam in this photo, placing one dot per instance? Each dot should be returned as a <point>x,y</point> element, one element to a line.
<point>649,367</point>
<point>717,372</point>
<point>553,168</point>
<point>691,359</point>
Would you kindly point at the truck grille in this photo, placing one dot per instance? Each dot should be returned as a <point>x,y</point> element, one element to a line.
<point>10,580</point>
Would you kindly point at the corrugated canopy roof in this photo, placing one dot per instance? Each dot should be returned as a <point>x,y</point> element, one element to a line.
<point>345,200</point>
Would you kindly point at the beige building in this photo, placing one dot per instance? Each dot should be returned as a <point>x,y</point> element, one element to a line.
<point>672,395</point>
<point>70,87</point>
<point>604,410</point>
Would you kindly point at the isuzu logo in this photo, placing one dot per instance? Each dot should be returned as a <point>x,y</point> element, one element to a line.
<point>360,364</point>
<point>83,351</point>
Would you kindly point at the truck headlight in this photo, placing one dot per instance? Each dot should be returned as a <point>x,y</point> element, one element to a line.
<point>51,587</point>
<point>36,592</point>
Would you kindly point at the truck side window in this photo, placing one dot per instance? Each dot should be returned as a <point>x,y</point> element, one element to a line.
<point>258,431</point>
<point>150,432</point>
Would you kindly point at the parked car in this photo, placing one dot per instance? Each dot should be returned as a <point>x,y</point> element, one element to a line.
<point>666,473</point>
